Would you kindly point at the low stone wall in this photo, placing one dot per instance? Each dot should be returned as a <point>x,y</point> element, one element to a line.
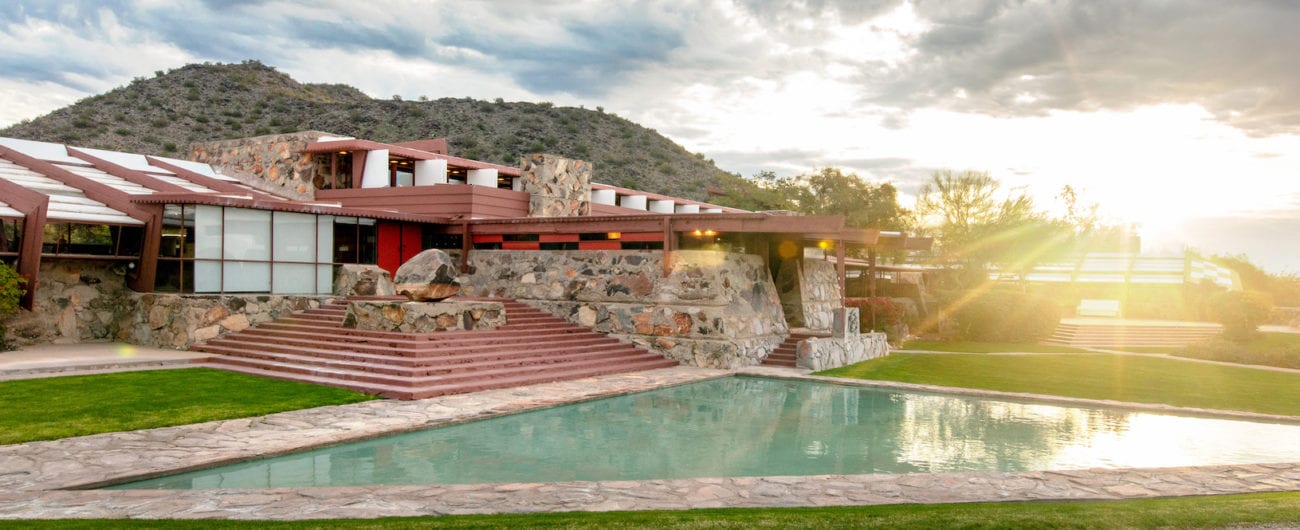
<point>424,317</point>
<point>178,321</point>
<point>76,301</point>
<point>714,309</point>
<point>824,353</point>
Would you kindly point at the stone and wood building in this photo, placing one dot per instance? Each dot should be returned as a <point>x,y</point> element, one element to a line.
<point>169,252</point>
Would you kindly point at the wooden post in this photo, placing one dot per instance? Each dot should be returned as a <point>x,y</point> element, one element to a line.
<point>840,268</point>
<point>466,244</point>
<point>871,272</point>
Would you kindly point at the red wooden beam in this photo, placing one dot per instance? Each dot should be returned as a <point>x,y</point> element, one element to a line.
<point>125,173</point>
<point>33,206</point>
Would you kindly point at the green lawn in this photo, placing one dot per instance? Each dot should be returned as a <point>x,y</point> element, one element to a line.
<point>1095,376</point>
<point>987,347</point>
<point>1278,509</point>
<point>59,407</point>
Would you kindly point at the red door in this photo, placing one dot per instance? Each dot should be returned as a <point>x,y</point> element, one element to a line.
<point>398,242</point>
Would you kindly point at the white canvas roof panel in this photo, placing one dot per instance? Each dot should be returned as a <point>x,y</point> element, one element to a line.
<point>197,167</point>
<point>43,150</point>
<point>127,160</point>
<point>66,202</point>
<point>117,183</point>
<point>7,211</point>
<point>183,183</point>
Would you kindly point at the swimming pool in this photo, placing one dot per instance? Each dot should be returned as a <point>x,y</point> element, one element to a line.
<point>746,426</point>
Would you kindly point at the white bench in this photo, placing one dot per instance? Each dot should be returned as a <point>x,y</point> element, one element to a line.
<point>1098,308</point>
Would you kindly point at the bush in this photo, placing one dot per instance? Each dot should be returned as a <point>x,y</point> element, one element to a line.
<point>1001,316</point>
<point>1240,312</point>
<point>1255,352</point>
<point>878,314</point>
<point>11,291</point>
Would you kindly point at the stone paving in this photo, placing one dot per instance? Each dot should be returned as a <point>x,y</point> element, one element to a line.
<point>40,479</point>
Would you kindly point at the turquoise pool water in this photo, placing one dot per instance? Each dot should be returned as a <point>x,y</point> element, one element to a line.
<point>743,426</point>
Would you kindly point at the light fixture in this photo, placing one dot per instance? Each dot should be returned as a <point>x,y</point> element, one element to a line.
<point>614,235</point>
<point>697,232</point>
<point>343,152</point>
<point>710,233</point>
<point>824,244</point>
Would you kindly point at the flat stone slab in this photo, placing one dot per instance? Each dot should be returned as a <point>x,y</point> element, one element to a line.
<point>34,476</point>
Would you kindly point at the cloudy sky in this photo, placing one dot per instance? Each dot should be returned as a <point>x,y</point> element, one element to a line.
<point>1183,116</point>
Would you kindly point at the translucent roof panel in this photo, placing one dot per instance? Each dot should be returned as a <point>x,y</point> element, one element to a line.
<point>1105,264</point>
<point>1055,277</point>
<point>183,183</point>
<point>66,202</point>
<point>42,150</point>
<point>8,211</point>
<point>101,177</point>
<point>127,160</point>
<point>1100,278</point>
<point>1160,264</point>
<point>1157,278</point>
<point>197,167</point>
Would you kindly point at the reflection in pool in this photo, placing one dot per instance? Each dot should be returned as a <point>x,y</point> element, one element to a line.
<point>743,426</point>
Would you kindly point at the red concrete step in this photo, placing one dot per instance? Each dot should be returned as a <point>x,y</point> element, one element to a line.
<point>534,346</point>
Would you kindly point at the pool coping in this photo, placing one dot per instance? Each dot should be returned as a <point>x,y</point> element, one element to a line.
<point>39,479</point>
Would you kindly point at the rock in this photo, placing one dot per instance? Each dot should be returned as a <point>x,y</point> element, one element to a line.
<point>429,276</point>
<point>237,322</point>
<point>363,280</point>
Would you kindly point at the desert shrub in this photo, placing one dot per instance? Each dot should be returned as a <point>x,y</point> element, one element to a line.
<point>878,314</point>
<point>1240,312</point>
<point>11,291</point>
<point>1000,316</point>
<point>1252,352</point>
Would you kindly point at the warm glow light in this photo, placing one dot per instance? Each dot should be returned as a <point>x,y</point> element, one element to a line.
<point>710,233</point>
<point>823,244</point>
<point>614,235</point>
<point>697,232</point>
<point>343,152</point>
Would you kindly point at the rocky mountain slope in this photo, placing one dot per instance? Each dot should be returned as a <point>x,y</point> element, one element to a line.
<point>163,115</point>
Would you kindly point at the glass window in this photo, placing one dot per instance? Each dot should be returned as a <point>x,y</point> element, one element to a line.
<point>11,233</point>
<point>207,276</point>
<point>294,278</point>
<point>247,236</point>
<point>246,277</point>
<point>207,231</point>
<point>325,238</point>
<point>295,237</point>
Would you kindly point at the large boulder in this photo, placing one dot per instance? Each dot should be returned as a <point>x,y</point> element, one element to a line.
<point>363,280</point>
<point>428,277</point>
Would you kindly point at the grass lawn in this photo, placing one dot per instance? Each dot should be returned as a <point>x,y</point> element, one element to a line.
<point>1279,509</point>
<point>1095,376</point>
<point>987,347</point>
<point>59,407</point>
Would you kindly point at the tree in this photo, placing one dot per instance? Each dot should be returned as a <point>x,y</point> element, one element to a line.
<point>11,291</point>
<point>824,192</point>
<point>974,228</point>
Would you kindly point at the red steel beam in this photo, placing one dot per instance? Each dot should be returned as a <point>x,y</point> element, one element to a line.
<point>33,206</point>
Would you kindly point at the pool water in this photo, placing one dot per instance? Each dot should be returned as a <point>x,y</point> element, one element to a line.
<point>746,426</point>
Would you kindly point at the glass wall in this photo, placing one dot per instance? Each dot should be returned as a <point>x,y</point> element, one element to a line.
<point>215,249</point>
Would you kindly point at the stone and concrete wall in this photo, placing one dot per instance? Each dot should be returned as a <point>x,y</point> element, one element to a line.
<point>714,309</point>
<point>557,186</point>
<point>824,353</point>
<point>76,301</point>
<point>810,292</point>
<point>87,300</point>
<point>424,317</point>
<point>179,321</point>
<point>272,163</point>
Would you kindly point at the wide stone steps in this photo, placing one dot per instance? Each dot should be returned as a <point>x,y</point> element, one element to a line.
<point>534,347</point>
<point>1112,334</point>
<point>785,354</point>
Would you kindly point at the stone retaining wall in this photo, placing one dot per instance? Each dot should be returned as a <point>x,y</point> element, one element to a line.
<point>76,301</point>
<point>714,309</point>
<point>87,300</point>
<point>824,353</point>
<point>424,317</point>
<point>810,292</point>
